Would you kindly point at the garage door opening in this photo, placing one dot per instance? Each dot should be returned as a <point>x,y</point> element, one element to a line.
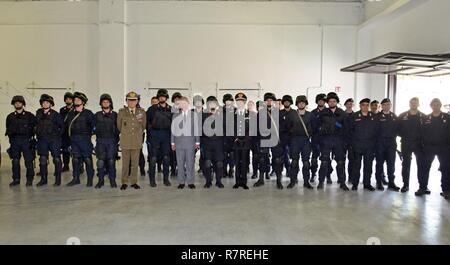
<point>425,88</point>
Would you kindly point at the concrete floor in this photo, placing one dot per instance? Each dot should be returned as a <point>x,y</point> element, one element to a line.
<point>263,215</point>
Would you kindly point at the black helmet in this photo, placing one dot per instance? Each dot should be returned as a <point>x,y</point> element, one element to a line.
<point>270,95</point>
<point>211,98</point>
<point>287,98</point>
<point>46,97</point>
<point>68,95</point>
<point>198,98</point>
<point>162,93</point>
<point>81,96</point>
<point>106,97</point>
<point>321,96</point>
<point>301,98</point>
<point>18,98</point>
<point>332,95</point>
<point>227,97</point>
<point>175,96</point>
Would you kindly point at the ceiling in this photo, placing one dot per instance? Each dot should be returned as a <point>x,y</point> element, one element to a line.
<point>395,63</point>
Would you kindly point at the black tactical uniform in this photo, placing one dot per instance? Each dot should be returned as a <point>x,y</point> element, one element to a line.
<point>386,147</point>
<point>409,130</point>
<point>106,148</point>
<point>362,134</point>
<point>49,129</point>
<point>435,141</point>
<point>20,130</point>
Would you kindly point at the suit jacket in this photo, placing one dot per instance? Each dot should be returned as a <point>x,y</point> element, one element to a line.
<point>131,127</point>
<point>185,130</point>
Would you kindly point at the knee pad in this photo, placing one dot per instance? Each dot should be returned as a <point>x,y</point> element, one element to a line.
<point>219,165</point>
<point>340,163</point>
<point>153,159</point>
<point>88,161</point>
<point>294,162</point>
<point>16,161</point>
<point>111,162</point>
<point>207,163</point>
<point>43,160</point>
<point>306,163</point>
<point>166,158</point>
<point>57,161</point>
<point>279,160</point>
<point>325,163</point>
<point>100,163</point>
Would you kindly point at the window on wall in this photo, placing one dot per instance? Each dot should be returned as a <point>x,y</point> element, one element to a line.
<point>425,88</point>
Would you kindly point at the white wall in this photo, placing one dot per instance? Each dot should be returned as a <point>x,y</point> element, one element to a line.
<point>240,44</point>
<point>415,26</point>
<point>113,46</point>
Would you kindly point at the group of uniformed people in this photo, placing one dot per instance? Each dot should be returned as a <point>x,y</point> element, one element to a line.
<point>282,136</point>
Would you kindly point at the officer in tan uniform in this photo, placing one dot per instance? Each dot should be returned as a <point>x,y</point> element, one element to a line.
<point>131,122</point>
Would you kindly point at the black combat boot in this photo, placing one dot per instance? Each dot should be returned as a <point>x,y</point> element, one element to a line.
<point>380,186</point>
<point>152,182</point>
<point>267,176</point>
<point>15,182</point>
<point>74,181</point>
<point>219,185</point>
<point>42,182</point>
<point>29,183</point>
<point>320,186</point>
<point>369,187</point>
<point>255,175</point>
<point>57,181</point>
<point>307,185</point>
<point>90,182</point>
<point>405,188</point>
<point>291,184</point>
<point>343,187</point>
<point>112,183</point>
<point>279,184</point>
<point>393,187</point>
<point>422,192</point>
<point>100,183</point>
<point>260,181</point>
<point>167,182</point>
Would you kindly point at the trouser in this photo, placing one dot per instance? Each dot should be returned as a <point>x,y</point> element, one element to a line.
<point>241,156</point>
<point>255,156</point>
<point>366,154</point>
<point>160,147</point>
<point>277,159</point>
<point>106,152</point>
<point>385,153</point>
<point>81,148</point>
<point>173,160</point>
<point>214,155</point>
<point>130,158</point>
<point>429,153</point>
<point>65,147</point>
<point>332,147</point>
<point>44,146</point>
<point>229,156</point>
<point>315,154</point>
<point>19,146</point>
<point>300,145</point>
<point>351,157</point>
<point>407,150</point>
<point>185,163</point>
<point>285,143</point>
<point>142,163</point>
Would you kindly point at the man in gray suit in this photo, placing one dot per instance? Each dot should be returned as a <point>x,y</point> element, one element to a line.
<point>185,139</point>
